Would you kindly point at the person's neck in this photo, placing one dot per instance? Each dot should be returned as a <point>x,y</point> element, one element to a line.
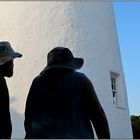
<point>1,76</point>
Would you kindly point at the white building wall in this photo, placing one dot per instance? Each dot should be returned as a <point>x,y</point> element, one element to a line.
<point>87,28</point>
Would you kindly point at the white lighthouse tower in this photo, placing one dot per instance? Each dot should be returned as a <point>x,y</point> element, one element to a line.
<point>88,29</point>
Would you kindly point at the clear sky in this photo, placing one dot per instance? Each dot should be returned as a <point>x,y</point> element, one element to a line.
<point>127,16</point>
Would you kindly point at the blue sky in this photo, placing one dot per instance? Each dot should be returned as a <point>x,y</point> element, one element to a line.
<point>127,15</point>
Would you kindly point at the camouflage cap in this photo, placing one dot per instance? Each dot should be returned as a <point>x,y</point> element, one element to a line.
<point>7,53</point>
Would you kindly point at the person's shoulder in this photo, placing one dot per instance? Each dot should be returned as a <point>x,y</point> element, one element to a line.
<point>81,74</point>
<point>85,78</point>
<point>38,78</point>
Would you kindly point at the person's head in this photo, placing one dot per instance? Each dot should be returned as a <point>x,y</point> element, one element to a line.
<point>61,57</point>
<point>7,55</point>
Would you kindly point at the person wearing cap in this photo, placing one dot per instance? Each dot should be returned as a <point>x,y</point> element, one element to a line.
<point>62,102</point>
<point>7,55</point>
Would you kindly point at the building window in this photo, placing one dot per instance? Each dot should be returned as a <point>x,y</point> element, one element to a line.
<point>114,86</point>
<point>118,90</point>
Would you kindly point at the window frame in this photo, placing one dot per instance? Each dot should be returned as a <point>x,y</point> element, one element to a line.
<point>118,99</point>
<point>114,86</point>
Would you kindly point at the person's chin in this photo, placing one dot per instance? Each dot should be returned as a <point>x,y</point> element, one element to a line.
<point>9,75</point>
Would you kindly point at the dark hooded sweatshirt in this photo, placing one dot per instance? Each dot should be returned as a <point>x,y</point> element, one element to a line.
<point>62,104</point>
<point>5,119</point>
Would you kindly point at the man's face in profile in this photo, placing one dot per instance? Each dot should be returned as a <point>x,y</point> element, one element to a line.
<point>7,69</point>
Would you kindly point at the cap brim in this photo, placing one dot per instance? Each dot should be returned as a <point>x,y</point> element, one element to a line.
<point>17,55</point>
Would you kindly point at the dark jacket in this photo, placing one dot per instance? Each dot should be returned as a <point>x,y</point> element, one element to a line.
<point>5,119</point>
<point>65,104</point>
